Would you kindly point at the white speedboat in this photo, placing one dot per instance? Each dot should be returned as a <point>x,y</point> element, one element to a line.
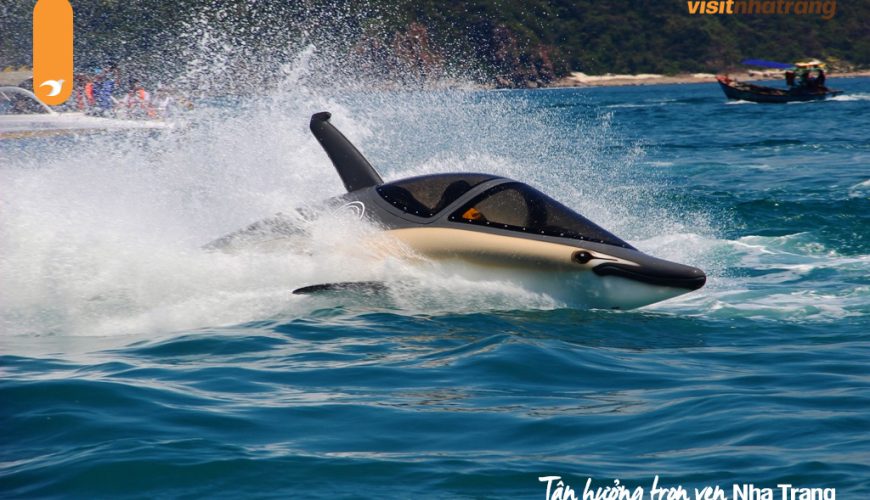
<point>22,114</point>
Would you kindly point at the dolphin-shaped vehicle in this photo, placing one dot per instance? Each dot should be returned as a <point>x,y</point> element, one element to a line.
<point>500,226</point>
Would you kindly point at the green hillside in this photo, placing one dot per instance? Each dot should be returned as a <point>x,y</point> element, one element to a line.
<point>508,42</point>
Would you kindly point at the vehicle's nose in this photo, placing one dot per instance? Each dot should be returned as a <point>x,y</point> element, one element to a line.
<point>655,272</point>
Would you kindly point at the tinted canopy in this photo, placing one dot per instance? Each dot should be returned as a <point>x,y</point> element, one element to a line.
<point>427,195</point>
<point>517,207</point>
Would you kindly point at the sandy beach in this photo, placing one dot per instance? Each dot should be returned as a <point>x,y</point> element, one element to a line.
<point>13,77</point>
<point>578,79</point>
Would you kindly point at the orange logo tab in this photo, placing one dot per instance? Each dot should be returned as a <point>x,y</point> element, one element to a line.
<point>52,51</point>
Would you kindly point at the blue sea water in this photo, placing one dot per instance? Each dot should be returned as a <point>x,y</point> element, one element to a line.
<point>134,364</point>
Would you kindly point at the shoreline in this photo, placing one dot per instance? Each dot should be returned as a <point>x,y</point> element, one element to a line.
<point>14,78</point>
<point>582,80</point>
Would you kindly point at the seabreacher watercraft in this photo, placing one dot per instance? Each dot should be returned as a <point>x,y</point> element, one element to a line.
<point>495,224</point>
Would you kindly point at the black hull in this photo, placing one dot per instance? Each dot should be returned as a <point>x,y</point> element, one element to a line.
<point>757,93</point>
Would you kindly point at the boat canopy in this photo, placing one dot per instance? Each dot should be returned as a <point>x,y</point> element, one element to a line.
<point>811,64</point>
<point>766,64</point>
<point>814,64</point>
<point>515,206</point>
<point>426,195</point>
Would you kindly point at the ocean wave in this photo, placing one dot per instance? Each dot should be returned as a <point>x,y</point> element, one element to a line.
<point>638,105</point>
<point>780,278</point>
<point>851,97</point>
<point>860,190</point>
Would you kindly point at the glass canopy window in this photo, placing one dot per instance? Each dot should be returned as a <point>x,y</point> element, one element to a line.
<point>518,207</point>
<point>428,195</point>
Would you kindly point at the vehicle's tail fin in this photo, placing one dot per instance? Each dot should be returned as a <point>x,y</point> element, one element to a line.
<point>355,171</point>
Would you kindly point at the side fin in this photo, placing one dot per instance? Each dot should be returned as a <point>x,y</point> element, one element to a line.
<point>363,287</point>
<point>355,171</point>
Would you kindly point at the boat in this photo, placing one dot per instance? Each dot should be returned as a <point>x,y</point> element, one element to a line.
<point>757,93</point>
<point>810,86</point>
<point>23,115</point>
<point>489,225</point>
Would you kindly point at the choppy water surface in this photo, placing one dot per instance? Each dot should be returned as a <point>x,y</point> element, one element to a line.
<point>136,364</point>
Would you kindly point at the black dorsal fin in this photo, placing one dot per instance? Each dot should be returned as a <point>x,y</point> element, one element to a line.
<point>353,168</point>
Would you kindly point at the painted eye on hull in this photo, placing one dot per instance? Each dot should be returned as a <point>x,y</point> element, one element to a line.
<point>582,257</point>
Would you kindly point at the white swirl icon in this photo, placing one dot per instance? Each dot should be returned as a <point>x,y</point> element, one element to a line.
<point>355,208</point>
<point>56,86</point>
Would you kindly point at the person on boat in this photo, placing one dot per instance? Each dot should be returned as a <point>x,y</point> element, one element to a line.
<point>789,78</point>
<point>165,102</point>
<point>104,87</point>
<point>820,81</point>
<point>90,99</point>
<point>137,102</point>
<point>84,92</point>
<point>812,81</point>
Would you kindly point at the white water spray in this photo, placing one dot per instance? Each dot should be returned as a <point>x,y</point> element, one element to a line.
<point>103,235</point>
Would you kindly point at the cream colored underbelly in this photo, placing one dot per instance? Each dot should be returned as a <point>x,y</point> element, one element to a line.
<point>485,248</point>
<point>540,265</point>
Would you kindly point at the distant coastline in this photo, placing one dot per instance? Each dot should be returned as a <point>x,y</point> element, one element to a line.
<point>578,79</point>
